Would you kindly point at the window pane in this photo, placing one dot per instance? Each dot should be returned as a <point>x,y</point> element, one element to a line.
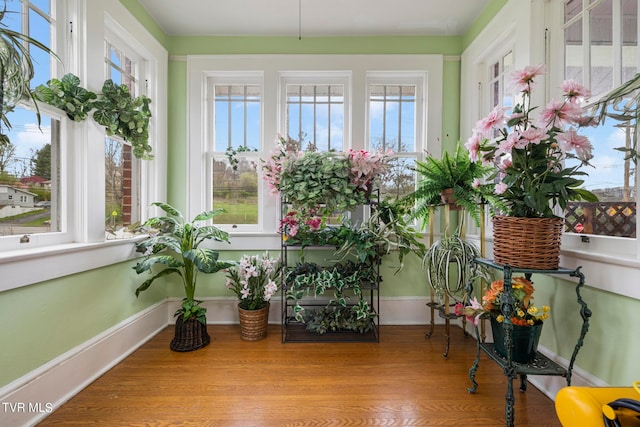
<point>612,180</point>
<point>629,39</point>
<point>392,118</point>
<point>235,189</point>
<point>601,38</point>
<point>401,180</point>
<point>121,190</point>
<point>29,177</point>
<point>574,54</point>
<point>315,116</point>
<point>237,130</point>
<point>40,30</point>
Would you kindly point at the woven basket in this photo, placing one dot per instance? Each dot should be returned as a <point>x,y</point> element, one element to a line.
<point>527,242</point>
<point>189,335</point>
<point>253,323</point>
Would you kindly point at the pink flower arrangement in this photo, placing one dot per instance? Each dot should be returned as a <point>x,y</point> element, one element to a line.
<point>365,166</point>
<point>254,280</point>
<point>529,154</point>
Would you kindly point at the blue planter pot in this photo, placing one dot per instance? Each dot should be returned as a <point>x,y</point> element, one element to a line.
<point>524,341</point>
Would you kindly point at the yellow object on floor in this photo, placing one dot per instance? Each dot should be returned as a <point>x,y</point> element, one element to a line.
<point>583,406</point>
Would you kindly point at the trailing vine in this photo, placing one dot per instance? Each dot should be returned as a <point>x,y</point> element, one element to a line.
<point>114,108</point>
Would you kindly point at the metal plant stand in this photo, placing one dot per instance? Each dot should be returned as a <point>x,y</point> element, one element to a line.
<point>540,365</point>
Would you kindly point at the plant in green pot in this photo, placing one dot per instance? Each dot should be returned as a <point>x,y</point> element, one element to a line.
<point>177,245</point>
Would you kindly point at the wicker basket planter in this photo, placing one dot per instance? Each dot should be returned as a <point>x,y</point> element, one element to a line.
<point>527,242</point>
<point>189,335</point>
<point>253,323</point>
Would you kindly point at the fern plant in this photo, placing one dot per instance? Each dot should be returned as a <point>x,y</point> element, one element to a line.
<point>455,172</point>
<point>175,244</point>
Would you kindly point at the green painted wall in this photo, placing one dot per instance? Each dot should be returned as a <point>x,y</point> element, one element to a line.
<point>44,320</point>
<point>177,135</point>
<point>611,346</point>
<point>481,21</point>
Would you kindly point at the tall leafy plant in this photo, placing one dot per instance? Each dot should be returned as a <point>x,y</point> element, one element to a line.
<point>176,244</point>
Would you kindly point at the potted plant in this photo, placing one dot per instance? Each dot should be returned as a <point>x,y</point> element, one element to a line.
<point>254,281</point>
<point>447,264</point>
<point>531,178</point>
<point>453,180</point>
<point>525,318</point>
<point>176,245</point>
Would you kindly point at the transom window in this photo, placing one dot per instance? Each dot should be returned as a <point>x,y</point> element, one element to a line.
<point>315,116</point>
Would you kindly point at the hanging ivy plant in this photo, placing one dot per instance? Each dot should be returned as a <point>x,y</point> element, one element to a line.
<point>115,109</point>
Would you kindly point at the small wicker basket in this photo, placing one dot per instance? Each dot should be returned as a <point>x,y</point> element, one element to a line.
<point>527,242</point>
<point>253,323</point>
<point>189,335</point>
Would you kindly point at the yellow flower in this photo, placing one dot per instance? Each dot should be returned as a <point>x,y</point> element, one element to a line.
<point>545,316</point>
<point>530,322</point>
<point>520,313</point>
<point>500,318</point>
<point>546,308</point>
<point>533,310</point>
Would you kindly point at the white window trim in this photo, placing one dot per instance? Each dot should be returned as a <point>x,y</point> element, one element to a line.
<point>274,66</point>
<point>231,78</point>
<point>24,267</point>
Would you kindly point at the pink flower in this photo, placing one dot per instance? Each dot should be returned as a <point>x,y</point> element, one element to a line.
<point>495,120</point>
<point>473,145</point>
<point>476,183</point>
<point>573,90</point>
<point>473,311</point>
<point>506,161</point>
<point>522,80</point>
<point>506,145</point>
<point>570,140</point>
<point>531,136</point>
<point>500,188</point>
<point>314,223</point>
<point>559,114</point>
<point>458,309</point>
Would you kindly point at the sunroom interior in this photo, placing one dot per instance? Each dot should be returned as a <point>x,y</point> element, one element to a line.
<point>68,293</point>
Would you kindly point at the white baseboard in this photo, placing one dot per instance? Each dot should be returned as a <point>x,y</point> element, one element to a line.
<point>29,399</point>
<point>393,311</point>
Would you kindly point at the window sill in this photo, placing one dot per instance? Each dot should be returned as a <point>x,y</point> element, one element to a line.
<point>26,267</point>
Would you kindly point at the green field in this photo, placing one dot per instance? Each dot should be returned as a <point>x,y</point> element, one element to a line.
<point>243,211</point>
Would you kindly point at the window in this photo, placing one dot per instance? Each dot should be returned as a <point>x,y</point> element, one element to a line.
<point>308,98</point>
<point>122,168</point>
<point>236,149</point>
<point>394,111</point>
<point>608,58</point>
<point>30,162</point>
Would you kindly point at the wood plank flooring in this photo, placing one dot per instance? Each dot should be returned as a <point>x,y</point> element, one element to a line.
<point>401,381</point>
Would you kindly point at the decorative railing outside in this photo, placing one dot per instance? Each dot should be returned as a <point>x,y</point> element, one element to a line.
<point>601,218</point>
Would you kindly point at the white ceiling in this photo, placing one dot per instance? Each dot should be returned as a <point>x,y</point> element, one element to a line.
<point>314,17</point>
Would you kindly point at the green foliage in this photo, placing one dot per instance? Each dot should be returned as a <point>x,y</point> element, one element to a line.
<point>42,162</point>
<point>448,264</point>
<point>175,245</point>
<point>454,171</point>
<point>125,116</point>
<point>341,282</point>
<point>320,179</point>
<point>115,109</point>
<point>67,95</point>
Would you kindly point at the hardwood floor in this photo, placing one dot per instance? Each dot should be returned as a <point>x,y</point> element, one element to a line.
<point>401,381</point>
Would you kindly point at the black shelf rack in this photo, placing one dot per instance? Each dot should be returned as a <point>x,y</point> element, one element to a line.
<point>540,365</point>
<point>296,331</point>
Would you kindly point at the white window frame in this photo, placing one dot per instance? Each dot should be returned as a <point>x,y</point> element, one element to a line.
<point>275,68</point>
<point>83,51</point>
<point>318,78</point>
<point>408,78</point>
<point>255,78</point>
